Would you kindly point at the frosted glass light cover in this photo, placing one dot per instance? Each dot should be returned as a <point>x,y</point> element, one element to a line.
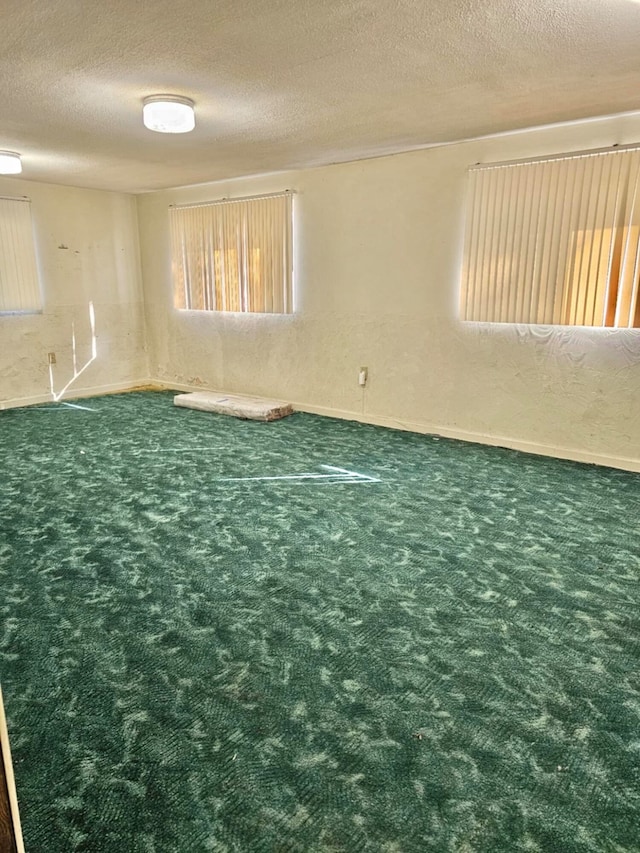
<point>168,114</point>
<point>10,163</point>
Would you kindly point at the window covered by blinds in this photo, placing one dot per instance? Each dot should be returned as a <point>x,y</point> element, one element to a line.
<point>19,285</point>
<point>555,241</point>
<point>233,255</point>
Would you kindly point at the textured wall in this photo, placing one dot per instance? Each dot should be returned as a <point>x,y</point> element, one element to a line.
<point>87,247</point>
<point>378,257</point>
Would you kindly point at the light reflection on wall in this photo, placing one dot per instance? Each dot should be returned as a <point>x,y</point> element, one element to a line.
<point>57,395</point>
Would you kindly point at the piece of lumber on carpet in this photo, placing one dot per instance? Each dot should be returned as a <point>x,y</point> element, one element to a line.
<point>10,831</point>
<point>251,408</point>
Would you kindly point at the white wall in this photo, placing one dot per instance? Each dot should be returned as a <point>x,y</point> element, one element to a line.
<point>377,266</point>
<point>88,252</point>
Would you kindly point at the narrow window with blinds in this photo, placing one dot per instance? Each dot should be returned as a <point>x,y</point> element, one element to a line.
<point>233,255</point>
<point>554,241</point>
<point>19,285</point>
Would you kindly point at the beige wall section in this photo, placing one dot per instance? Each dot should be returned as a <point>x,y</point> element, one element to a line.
<point>88,252</point>
<point>378,258</point>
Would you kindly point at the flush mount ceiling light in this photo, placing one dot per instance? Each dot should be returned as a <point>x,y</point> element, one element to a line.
<point>168,114</point>
<point>10,163</point>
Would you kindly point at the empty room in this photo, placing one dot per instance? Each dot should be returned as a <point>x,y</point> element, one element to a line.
<point>320,426</point>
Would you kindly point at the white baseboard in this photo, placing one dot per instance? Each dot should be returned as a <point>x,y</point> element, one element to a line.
<point>180,386</point>
<point>75,393</point>
<point>570,453</point>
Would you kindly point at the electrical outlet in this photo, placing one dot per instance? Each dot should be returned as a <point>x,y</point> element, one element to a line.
<point>52,357</point>
<point>363,376</point>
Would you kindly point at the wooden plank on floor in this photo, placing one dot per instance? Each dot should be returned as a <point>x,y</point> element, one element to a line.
<point>10,831</point>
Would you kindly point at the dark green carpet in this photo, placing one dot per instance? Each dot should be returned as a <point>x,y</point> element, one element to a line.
<point>445,660</point>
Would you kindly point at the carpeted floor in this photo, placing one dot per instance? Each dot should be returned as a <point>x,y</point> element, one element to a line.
<point>407,644</point>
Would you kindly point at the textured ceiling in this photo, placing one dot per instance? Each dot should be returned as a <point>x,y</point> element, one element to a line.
<point>282,84</point>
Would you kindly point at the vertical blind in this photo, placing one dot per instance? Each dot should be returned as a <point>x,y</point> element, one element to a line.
<point>19,285</point>
<point>554,241</point>
<point>233,255</point>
